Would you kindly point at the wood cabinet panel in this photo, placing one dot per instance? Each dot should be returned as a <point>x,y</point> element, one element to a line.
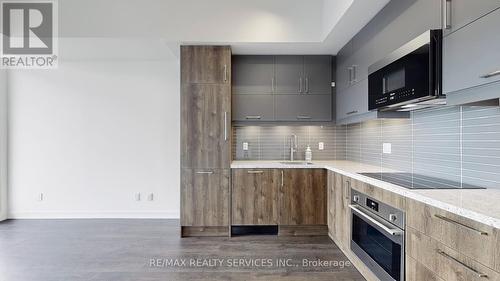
<point>205,197</point>
<point>331,203</point>
<point>342,213</point>
<point>255,196</point>
<point>466,236</point>
<point>415,271</point>
<point>302,197</point>
<point>445,262</point>
<point>206,64</point>
<point>205,126</point>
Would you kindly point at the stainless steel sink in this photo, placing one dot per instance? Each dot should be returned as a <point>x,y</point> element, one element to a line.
<point>296,163</point>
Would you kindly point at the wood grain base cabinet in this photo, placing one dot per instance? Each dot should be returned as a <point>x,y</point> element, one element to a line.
<point>444,262</point>
<point>255,196</point>
<point>339,186</point>
<point>466,236</point>
<point>205,197</point>
<point>302,197</point>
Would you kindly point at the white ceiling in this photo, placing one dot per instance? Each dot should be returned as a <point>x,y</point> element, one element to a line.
<point>148,29</point>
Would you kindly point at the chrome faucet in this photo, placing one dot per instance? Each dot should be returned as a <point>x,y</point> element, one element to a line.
<point>293,146</point>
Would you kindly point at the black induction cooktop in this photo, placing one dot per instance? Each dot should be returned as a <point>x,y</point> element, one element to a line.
<point>415,181</point>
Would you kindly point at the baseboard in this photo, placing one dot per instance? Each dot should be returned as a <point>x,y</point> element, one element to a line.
<point>94,215</point>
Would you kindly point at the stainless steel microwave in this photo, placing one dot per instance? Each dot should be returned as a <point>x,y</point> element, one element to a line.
<point>410,77</point>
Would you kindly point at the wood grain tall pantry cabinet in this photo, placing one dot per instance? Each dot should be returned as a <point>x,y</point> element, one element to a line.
<point>205,140</point>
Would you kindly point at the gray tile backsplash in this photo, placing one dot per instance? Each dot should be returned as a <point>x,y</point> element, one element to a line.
<point>454,143</point>
<point>273,142</point>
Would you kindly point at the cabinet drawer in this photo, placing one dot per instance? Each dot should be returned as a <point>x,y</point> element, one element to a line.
<point>416,271</point>
<point>443,261</point>
<point>253,108</point>
<point>470,55</point>
<point>468,237</point>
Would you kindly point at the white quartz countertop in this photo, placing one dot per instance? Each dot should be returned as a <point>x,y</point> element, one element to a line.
<point>477,204</point>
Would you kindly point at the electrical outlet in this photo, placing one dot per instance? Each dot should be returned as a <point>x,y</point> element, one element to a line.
<point>321,146</point>
<point>245,146</point>
<point>137,197</point>
<point>387,148</point>
<point>151,197</point>
<point>40,197</point>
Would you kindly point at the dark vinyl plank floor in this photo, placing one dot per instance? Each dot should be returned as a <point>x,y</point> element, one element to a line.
<point>108,250</point>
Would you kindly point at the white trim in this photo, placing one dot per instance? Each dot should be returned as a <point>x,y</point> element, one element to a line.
<point>3,144</point>
<point>94,215</point>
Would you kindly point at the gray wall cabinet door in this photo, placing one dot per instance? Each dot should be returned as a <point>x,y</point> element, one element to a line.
<point>459,13</point>
<point>253,108</point>
<point>318,75</point>
<point>353,101</point>
<point>303,107</point>
<point>254,74</point>
<point>289,75</point>
<point>471,55</point>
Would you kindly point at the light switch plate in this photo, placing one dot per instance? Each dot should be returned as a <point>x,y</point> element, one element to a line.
<point>387,148</point>
<point>245,146</point>
<point>321,146</point>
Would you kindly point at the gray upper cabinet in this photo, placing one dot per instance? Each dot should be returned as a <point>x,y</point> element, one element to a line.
<point>318,75</point>
<point>471,57</point>
<point>353,101</point>
<point>303,108</point>
<point>459,13</point>
<point>290,75</point>
<point>253,107</point>
<point>282,88</point>
<point>255,74</point>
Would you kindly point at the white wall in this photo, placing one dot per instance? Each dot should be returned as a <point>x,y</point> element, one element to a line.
<point>3,144</point>
<point>90,135</point>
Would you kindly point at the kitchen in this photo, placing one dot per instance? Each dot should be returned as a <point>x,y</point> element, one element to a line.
<point>251,140</point>
<point>389,147</point>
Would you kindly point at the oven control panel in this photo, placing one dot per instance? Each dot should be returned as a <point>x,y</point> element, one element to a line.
<point>388,213</point>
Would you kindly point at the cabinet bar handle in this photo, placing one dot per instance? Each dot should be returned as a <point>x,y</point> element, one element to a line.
<point>272,85</point>
<point>205,172</point>
<point>255,172</point>
<point>253,117</point>
<point>461,224</point>
<point>478,274</point>
<point>307,85</point>
<point>225,73</point>
<point>346,189</point>
<point>349,69</point>
<point>491,74</point>
<point>352,112</point>
<point>447,14</point>
<point>282,178</point>
<point>225,126</point>
<point>303,117</point>
<point>300,85</point>
<point>354,74</point>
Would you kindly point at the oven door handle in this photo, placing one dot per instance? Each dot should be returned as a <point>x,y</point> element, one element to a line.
<point>391,231</point>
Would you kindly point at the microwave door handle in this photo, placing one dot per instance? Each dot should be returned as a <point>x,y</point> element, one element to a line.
<point>393,232</point>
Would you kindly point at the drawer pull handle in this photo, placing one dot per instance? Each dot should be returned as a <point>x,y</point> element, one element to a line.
<point>478,274</point>
<point>461,224</point>
<point>302,117</point>
<point>255,172</point>
<point>491,74</point>
<point>205,173</point>
<point>253,117</point>
<point>352,112</point>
